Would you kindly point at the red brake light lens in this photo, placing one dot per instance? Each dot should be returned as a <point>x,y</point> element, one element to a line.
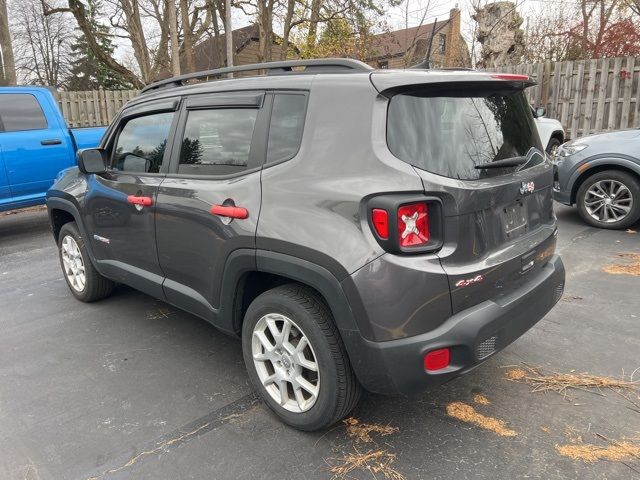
<point>380,220</point>
<point>413,224</point>
<point>510,76</point>
<point>437,359</point>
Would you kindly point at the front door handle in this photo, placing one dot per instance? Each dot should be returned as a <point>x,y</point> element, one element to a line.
<point>51,141</point>
<point>142,201</point>
<point>230,211</point>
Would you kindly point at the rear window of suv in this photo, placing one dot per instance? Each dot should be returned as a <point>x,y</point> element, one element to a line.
<point>451,132</point>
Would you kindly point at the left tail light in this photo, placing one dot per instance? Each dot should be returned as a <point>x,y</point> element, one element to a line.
<point>406,223</point>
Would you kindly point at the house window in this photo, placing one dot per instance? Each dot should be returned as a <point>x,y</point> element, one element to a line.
<point>442,43</point>
<point>384,64</point>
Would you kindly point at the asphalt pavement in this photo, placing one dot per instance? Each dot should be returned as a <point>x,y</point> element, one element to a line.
<point>132,388</point>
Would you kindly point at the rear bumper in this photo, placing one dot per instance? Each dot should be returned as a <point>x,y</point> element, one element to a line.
<point>473,335</point>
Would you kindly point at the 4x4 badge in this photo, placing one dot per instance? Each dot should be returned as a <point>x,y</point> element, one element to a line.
<point>527,187</point>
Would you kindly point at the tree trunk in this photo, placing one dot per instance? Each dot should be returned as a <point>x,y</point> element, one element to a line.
<point>173,34</point>
<point>228,33</point>
<point>7,61</point>
<point>291,4</point>
<point>313,24</point>
<point>187,36</point>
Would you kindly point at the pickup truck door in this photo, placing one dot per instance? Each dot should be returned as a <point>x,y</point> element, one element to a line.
<point>209,202</point>
<point>5,191</point>
<point>34,147</point>
<point>120,204</point>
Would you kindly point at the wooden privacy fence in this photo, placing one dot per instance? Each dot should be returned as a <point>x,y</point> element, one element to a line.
<point>92,108</point>
<point>587,96</point>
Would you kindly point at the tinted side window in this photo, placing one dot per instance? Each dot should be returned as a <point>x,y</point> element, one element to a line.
<point>217,141</point>
<point>141,143</point>
<point>285,130</point>
<point>21,111</point>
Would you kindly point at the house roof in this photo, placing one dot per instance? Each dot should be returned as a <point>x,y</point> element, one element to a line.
<point>212,52</point>
<point>391,44</point>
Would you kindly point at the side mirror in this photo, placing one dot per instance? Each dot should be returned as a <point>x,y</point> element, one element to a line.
<point>91,160</point>
<point>540,111</point>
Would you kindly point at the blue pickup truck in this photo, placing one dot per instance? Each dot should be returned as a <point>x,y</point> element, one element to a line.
<point>35,145</point>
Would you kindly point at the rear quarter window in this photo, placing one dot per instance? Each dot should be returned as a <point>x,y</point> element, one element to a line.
<point>20,111</point>
<point>454,131</point>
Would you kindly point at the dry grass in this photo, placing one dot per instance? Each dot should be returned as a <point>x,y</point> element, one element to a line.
<point>616,451</point>
<point>632,268</point>
<point>481,399</point>
<point>376,462</point>
<point>361,432</point>
<point>562,382</point>
<point>466,413</point>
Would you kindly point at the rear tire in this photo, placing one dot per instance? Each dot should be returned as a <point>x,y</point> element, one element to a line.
<point>273,360</point>
<point>84,281</point>
<point>614,191</point>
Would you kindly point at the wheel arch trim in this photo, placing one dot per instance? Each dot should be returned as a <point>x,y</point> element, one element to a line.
<point>57,203</point>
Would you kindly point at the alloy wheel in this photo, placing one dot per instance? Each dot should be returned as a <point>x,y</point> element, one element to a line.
<point>72,263</point>
<point>285,363</point>
<point>608,201</point>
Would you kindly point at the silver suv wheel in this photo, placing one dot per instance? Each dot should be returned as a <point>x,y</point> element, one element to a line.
<point>608,201</point>
<point>72,263</point>
<point>285,362</point>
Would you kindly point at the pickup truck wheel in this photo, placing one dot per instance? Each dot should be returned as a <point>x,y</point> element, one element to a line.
<point>296,359</point>
<point>552,147</point>
<point>609,199</point>
<point>85,283</point>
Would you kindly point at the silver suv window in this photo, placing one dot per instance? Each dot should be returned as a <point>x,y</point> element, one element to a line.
<point>452,133</point>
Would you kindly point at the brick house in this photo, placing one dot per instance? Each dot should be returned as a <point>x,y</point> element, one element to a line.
<point>407,47</point>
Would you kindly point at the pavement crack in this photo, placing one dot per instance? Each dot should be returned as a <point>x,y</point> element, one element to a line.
<point>183,434</point>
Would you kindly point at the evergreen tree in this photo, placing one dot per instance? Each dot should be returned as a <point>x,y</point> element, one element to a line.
<point>87,72</point>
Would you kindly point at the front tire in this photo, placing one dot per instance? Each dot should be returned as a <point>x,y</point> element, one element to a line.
<point>85,283</point>
<point>296,359</point>
<point>553,147</point>
<point>609,199</point>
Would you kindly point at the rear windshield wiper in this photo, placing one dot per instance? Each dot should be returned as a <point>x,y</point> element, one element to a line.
<point>506,162</point>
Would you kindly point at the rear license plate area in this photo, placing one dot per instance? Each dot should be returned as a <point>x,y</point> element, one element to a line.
<point>515,219</point>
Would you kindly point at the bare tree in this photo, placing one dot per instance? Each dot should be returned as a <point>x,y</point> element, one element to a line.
<point>42,43</point>
<point>7,62</point>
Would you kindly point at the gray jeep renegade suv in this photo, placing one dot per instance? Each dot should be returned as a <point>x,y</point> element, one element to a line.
<point>355,228</point>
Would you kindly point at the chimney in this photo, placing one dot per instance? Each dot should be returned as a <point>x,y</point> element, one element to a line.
<point>452,49</point>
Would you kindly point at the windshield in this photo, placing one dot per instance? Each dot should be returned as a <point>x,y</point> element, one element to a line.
<point>452,133</point>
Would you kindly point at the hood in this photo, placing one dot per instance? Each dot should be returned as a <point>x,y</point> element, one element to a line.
<point>607,137</point>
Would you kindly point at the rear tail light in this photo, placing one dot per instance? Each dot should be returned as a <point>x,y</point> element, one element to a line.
<point>406,223</point>
<point>413,224</point>
<point>437,359</point>
<point>380,220</point>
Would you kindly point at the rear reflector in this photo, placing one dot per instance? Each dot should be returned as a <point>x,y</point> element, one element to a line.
<point>436,359</point>
<point>380,219</point>
<point>413,224</point>
<point>510,76</point>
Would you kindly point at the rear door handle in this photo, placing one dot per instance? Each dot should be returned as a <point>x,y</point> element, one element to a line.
<point>230,211</point>
<point>142,201</point>
<point>51,141</point>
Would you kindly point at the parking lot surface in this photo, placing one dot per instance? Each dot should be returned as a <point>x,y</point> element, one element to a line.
<point>131,388</point>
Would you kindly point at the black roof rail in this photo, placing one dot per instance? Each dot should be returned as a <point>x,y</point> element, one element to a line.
<point>320,65</point>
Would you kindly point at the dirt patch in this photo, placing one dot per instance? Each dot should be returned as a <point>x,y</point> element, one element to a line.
<point>466,413</point>
<point>481,399</point>
<point>632,268</point>
<point>562,382</point>
<point>376,462</point>
<point>361,432</point>
<point>586,452</point>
